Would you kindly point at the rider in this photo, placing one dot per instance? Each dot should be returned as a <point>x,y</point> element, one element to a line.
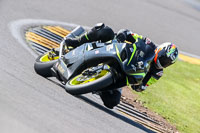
<point>165,55</point>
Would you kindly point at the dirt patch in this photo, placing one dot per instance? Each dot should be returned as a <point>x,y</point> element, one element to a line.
<point>132,99</point>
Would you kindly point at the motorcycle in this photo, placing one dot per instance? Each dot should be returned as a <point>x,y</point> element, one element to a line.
<point>96,67</point>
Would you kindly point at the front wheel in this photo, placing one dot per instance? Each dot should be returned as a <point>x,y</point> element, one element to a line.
<point>90,80</point>
<point>43,65</point>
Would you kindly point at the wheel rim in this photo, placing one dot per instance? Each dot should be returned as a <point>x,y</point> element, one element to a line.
<point>45,58</point>
<point>83,79</point>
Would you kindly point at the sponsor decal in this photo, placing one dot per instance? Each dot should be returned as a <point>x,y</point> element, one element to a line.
<point>61,69</point>
<point>133,67</point>
<point>57,64</point>
<point>140,64</point>
<point>109,47</point>
<point>97,52</point>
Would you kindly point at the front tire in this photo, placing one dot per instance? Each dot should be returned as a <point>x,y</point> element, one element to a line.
<point>79,85</point>
<point>43,65</point>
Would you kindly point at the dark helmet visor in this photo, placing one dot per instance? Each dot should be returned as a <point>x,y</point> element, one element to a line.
<point>165,61</point>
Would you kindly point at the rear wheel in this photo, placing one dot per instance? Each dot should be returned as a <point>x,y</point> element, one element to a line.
<point>92,79</point>
<point>44,63</point>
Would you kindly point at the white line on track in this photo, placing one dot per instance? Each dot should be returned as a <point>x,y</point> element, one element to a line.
<point>17,26</point>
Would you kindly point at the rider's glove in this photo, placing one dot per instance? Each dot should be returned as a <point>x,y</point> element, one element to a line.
<point>127,35</point>
<point>138,88</point>
<point>73,42</point>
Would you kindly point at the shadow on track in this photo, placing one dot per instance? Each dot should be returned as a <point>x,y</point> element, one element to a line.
<point>108,111</point>
<point>121,117</point>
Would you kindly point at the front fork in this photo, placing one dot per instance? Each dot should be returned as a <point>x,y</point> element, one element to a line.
<point>54,71</point>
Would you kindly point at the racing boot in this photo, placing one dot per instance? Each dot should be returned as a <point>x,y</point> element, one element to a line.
<point>99,32</point>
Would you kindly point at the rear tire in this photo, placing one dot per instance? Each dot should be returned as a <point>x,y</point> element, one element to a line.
<point>44,68</point>
<point>87,87</point>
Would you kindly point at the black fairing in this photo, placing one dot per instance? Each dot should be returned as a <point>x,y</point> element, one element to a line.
<point>116,55</point>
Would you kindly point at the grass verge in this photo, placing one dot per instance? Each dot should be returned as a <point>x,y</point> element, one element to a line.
<point>176,96</point>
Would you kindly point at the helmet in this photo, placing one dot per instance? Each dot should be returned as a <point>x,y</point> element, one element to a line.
<point>166,54</point>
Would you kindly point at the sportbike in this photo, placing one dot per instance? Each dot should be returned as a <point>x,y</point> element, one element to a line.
<point>96,66</point>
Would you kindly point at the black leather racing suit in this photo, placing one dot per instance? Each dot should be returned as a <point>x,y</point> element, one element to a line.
<point>154,73</point>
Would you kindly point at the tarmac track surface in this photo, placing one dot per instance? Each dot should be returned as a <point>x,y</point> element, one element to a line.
<point>30,103</point>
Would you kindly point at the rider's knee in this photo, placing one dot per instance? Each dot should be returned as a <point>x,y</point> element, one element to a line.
<point>101,32</point>
<point>111,98</point>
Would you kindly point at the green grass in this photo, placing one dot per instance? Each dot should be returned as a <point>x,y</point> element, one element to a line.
<point>176,96</point>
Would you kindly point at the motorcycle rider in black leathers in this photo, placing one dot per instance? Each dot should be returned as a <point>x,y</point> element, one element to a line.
<point>165,55</point>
